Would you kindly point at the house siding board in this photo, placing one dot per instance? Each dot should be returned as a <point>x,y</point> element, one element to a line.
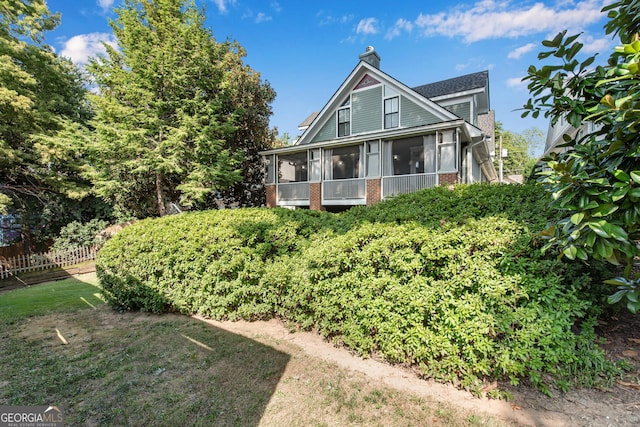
<point>462,110</point>
<point>366,110</point>
<point>414,115</point>
<point>328,131</point>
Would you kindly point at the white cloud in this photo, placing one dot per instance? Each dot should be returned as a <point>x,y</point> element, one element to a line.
<point>223,4</point>
<point>367,26</point>
<point>326,18</point>
<point>490,19</point>
<point>592,45</point>
<point>518,52</point>
<point>105,4</point>
<point>400,26</point>
<point>262,17</point>
<point>276,6</point>
<point>516,82</point>
<point>83,46</point>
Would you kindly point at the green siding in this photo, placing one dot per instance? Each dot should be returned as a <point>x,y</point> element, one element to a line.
<point>461,110</point>
<point>411,114</point>
<point>328,131</point>
<point>366,110</point>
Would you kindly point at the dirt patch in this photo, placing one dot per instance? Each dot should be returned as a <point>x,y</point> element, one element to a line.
<point>619,406</point>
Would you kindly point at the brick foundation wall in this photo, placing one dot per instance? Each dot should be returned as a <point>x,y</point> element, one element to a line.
<point>271,195</point>
<point>315,196</point>
<point>373,191</point>
<point>447,178</point>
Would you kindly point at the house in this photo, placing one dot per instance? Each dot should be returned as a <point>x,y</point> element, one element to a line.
<point>377,137</point>
<point>555,141</point>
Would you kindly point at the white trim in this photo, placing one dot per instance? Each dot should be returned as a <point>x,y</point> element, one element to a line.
<point>346,88</point>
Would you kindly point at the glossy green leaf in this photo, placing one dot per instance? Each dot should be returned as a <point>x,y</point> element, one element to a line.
<point>633,307</point>
<point>613,299</point>
<point>616,232</point>
<point>621,175</point>
<point>570,252</point>
<point>604,210</point>
<point>598,228</point>
<point>577,218</point>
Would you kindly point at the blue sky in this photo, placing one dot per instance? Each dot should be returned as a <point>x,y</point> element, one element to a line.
<point>305,49</point>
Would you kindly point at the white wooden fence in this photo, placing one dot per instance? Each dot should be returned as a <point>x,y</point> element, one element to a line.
<point>10,266</point>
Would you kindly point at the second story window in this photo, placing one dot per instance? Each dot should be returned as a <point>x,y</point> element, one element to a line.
<point>391,113</point>
<point>344,119</point>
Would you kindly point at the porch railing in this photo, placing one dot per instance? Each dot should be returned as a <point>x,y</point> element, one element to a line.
<point>400,184</point>
<point>293,191</point>
<point>344,189</point>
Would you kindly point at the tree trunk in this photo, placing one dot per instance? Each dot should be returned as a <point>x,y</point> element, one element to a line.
<point>162,207</point>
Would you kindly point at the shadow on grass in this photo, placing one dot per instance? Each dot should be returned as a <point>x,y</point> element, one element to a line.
<point>139,369</point>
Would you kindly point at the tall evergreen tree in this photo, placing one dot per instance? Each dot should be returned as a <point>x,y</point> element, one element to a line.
<point>178,114</point>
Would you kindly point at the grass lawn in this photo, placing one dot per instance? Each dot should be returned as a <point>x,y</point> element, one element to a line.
<point>59,345</point>
<point>70,294</point>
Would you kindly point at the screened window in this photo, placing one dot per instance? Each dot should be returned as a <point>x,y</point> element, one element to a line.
<point>292,167</point>
<point>270,166</point>
<point>314,163</point>
<point>391,113</point>
<point>447,152</point>
<point>373,159</point>
<point>345,163</point>
<point>410,156</point>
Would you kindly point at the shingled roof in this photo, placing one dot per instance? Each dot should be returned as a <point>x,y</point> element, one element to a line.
<point>454,85</point>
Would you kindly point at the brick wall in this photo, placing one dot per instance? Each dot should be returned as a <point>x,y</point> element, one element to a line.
<point>447,178</point>
<point>373,191</point>
<point>315,196</point>
<point>271,195</point>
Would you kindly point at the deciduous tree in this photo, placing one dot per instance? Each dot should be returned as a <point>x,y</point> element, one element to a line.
<point>42,102</point>
<point>596,181</point>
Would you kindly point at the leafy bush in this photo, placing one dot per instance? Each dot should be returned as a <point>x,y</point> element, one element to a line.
<point>452,282</point>
<point>76,234</point>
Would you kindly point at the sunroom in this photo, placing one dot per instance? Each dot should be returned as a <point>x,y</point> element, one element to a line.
<point>365,172</point>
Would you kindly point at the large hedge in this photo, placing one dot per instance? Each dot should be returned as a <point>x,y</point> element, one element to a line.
<point>449,281</point>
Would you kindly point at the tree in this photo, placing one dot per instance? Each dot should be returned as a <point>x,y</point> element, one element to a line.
<point>179,117</point>
<point>520,148</point>
<point>596,181</point>
<point>42,102</point>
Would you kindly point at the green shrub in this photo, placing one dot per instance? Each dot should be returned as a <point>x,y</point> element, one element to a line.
<point>76,234</point>
<point>452,282</point>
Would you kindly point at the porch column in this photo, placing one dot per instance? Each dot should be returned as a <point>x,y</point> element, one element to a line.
<point>447,178</point>
<point>272,199</point>
<point>315,196</point>
<point>373,191</point>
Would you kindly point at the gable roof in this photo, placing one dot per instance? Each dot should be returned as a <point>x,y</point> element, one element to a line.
<point>306,122</point>
<point>464,83</point>
<point>359,72</point>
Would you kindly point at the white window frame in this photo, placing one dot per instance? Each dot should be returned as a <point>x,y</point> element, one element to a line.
<point>442,144</point>
<point>345,106</point>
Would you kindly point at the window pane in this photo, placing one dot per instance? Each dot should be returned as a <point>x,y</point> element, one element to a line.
<point>372,147</point>
<point>391,115</point>
<point>447,155</point>
<point>345,162</point>
<point>292,167</point>
<point>269,162</point>
<point>407,156</point>
<point>344,126</point>
<point>430,154</point>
